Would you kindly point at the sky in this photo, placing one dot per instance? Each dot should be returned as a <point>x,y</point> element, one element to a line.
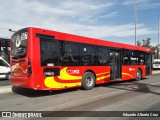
<point>111,20</point>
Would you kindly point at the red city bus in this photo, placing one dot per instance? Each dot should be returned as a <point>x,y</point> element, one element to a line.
<point>49,60</point>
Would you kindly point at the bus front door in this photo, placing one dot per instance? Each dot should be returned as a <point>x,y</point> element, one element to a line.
<point>115,65</point>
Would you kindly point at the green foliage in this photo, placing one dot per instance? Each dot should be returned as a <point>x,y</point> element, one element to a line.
<point>146,43</point>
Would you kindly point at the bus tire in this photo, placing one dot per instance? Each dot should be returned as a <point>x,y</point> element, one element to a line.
<point>88,81</point>
<point>138,75</point>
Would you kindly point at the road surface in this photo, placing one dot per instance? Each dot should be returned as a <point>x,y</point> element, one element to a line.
<point>132,95</point>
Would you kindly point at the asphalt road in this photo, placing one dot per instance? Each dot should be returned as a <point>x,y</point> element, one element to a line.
<point>4,82</point>
<point>132,95</point>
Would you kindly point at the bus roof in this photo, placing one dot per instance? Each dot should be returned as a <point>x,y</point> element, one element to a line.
<point>82,39</point>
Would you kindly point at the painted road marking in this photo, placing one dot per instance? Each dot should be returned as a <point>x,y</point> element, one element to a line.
<point>5,89</point>
<point>85,99</point>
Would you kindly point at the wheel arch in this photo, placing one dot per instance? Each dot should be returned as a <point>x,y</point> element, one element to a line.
<point>89,70</point>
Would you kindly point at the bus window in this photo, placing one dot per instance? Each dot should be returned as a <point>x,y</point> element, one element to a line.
<point>137,58</point>
<point>49,52</point>
<point>141,58</point>
<point>126,57</point>
<point>134,58</point>
<point>87,54</point>
<point>103,56</point>
<point>70,53</point>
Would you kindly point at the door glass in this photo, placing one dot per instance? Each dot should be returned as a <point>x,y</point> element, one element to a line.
<point>115,66</point>
<point>111,66</point>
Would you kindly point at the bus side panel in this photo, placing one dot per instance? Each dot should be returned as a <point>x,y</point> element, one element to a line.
<point>129,71</point>
<point>103,75</point>
<point>37,71</point>
<point>71,77</point>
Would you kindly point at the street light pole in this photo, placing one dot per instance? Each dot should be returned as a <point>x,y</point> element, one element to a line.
<point>158,30</point>
<point>135,16</point>
<point>158,50</point>
<point>10,31</point>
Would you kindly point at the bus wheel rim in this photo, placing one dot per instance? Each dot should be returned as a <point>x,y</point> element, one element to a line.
<point>89,81</point>
<point>138,74</point>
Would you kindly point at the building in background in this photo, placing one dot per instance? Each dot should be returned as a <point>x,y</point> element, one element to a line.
<point>5,48</point>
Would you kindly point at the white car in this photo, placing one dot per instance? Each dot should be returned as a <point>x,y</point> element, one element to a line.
<point>4,69</point>
<point>156,64</point>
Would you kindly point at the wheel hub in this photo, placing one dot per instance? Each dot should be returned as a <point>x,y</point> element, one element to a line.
<point>89,81</point>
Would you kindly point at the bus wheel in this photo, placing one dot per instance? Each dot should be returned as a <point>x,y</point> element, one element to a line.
<point>88,81</point>
<point>138,75</point>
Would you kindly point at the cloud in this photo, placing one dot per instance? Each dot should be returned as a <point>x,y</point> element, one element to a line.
<point>36,13</point>
<point>110,15</point>
<point>71,16</point>
<point>62,11</point>
<point>143,4</point>
<point>102,31</point>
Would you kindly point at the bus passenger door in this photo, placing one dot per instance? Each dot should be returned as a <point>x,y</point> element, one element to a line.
<point>115,65</point>
<point>148,63</point>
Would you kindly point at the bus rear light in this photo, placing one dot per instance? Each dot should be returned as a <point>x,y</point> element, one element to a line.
<point>29,68</point>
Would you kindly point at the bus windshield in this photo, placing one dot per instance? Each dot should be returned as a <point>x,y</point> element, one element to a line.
<point>19,43</point>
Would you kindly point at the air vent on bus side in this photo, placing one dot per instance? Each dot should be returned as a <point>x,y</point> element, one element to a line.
<point>51,71</point>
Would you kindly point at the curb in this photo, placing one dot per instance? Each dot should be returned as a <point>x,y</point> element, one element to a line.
<point>5,89</point>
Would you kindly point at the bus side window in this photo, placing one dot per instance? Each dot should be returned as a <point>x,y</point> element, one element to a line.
<point>70,53</point>
<point>103,56</point>
<point>75,53</point>
<point>87,54</point>
<point>49,52</point>
<point>125,61</point>
<point>65,52</point>
<point>126,57</point>
<point>141,58</point>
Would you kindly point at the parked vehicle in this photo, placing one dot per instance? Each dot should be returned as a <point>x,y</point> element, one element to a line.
<point>156,64</point>
<point>4,69</point>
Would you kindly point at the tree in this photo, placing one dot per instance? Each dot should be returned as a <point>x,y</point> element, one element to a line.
<point>145,43</point>
<point>139,43</point>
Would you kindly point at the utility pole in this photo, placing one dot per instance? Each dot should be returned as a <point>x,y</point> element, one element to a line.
<point>158,30</point>
<point>135,16</point>
<point>158,50</point>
